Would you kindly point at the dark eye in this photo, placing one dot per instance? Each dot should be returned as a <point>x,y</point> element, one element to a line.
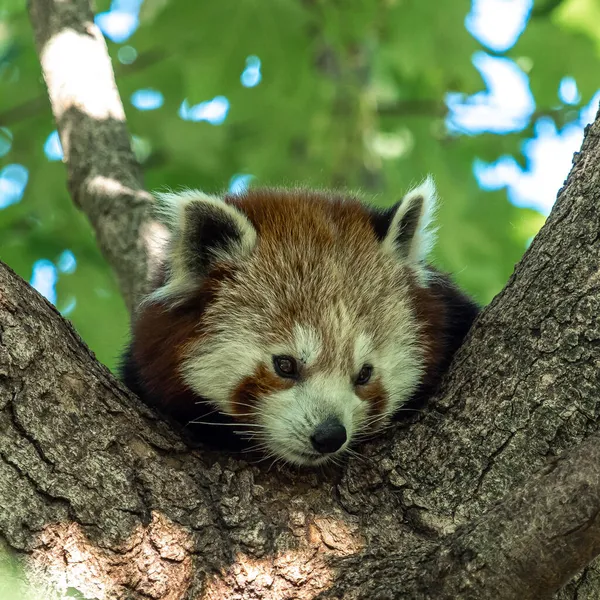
<point>364,375</point>
<point>285,366</point>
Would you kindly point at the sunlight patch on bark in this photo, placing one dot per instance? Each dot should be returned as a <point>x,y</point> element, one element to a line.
<point>155,561</point>
<point>299,573</point>
<point>77,69</point>
<point>152,233</point>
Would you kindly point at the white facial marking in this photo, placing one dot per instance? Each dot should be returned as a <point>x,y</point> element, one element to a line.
<point>291,417</point>
<point>308,344</point>
<point>400,369</point>
<point>216,367</point>
<point>363,348</point>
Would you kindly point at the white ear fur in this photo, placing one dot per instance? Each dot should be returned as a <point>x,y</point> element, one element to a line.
<point>170,206</point>
<point>410,236</point>
<point>204,230</point>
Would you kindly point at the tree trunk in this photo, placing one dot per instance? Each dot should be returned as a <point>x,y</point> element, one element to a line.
<point>99,495</point>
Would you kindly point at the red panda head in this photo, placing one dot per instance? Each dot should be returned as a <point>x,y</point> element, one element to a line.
<point>291,311</point>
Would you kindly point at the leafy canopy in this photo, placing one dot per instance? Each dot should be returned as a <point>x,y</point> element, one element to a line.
<point>319,92</point>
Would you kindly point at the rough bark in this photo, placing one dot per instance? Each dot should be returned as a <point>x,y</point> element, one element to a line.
<point>98,495</point>
<point>526,547</point>
<point>104,177</point>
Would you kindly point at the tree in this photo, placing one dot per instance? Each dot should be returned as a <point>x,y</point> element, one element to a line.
<point>353,97</point>
<point>99,495</point>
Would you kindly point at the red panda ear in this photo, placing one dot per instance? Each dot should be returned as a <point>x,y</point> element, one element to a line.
<point>204,231</point>
<point>404,230</point>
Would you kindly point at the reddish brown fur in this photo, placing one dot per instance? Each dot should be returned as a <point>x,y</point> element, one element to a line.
<point>304,211</point>
<point>162,338</point>
<point>249,392</point>
<point>374,393</point>
<point>431,314</point>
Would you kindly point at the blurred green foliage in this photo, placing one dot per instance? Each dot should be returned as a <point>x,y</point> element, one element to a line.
<point>340,82</point>
<point>16,584</point>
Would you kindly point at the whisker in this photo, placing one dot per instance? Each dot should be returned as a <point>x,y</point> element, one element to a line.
<point>257,448</point>
<point>266,457</point>
<point>277,459</point>
<point>202,402</point>
<point>255,413</point>
<point>259,434</point>
<point>372,421</point>
<point>247,435</point>
<point>355,454</point>
<point>245,404</point>
<point>376,418</point>
<point>233,416</point>
<point>255,409</point>
<point>370,429</point>
<point>416,410</point>
<point>212,412</point>
<point>197,422</point>
<point>363,458</point>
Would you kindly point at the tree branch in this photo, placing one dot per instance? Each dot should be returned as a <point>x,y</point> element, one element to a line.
<point>104,178</point>
<point>33,106</point>
<point>527,547</point>
<point>99,495</point>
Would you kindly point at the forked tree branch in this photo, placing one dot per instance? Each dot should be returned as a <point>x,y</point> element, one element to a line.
<point>98,495</point>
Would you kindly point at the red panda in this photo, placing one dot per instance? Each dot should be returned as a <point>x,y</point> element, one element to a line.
<point>303,319</point>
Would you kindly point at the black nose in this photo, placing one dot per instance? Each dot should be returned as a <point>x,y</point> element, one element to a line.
<point>329,436</point>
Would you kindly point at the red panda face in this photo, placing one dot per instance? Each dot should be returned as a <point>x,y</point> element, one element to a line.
<point>310,338</point>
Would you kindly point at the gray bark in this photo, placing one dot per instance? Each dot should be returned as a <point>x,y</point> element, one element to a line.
<point>99,495</point>
<point>104,178</point>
